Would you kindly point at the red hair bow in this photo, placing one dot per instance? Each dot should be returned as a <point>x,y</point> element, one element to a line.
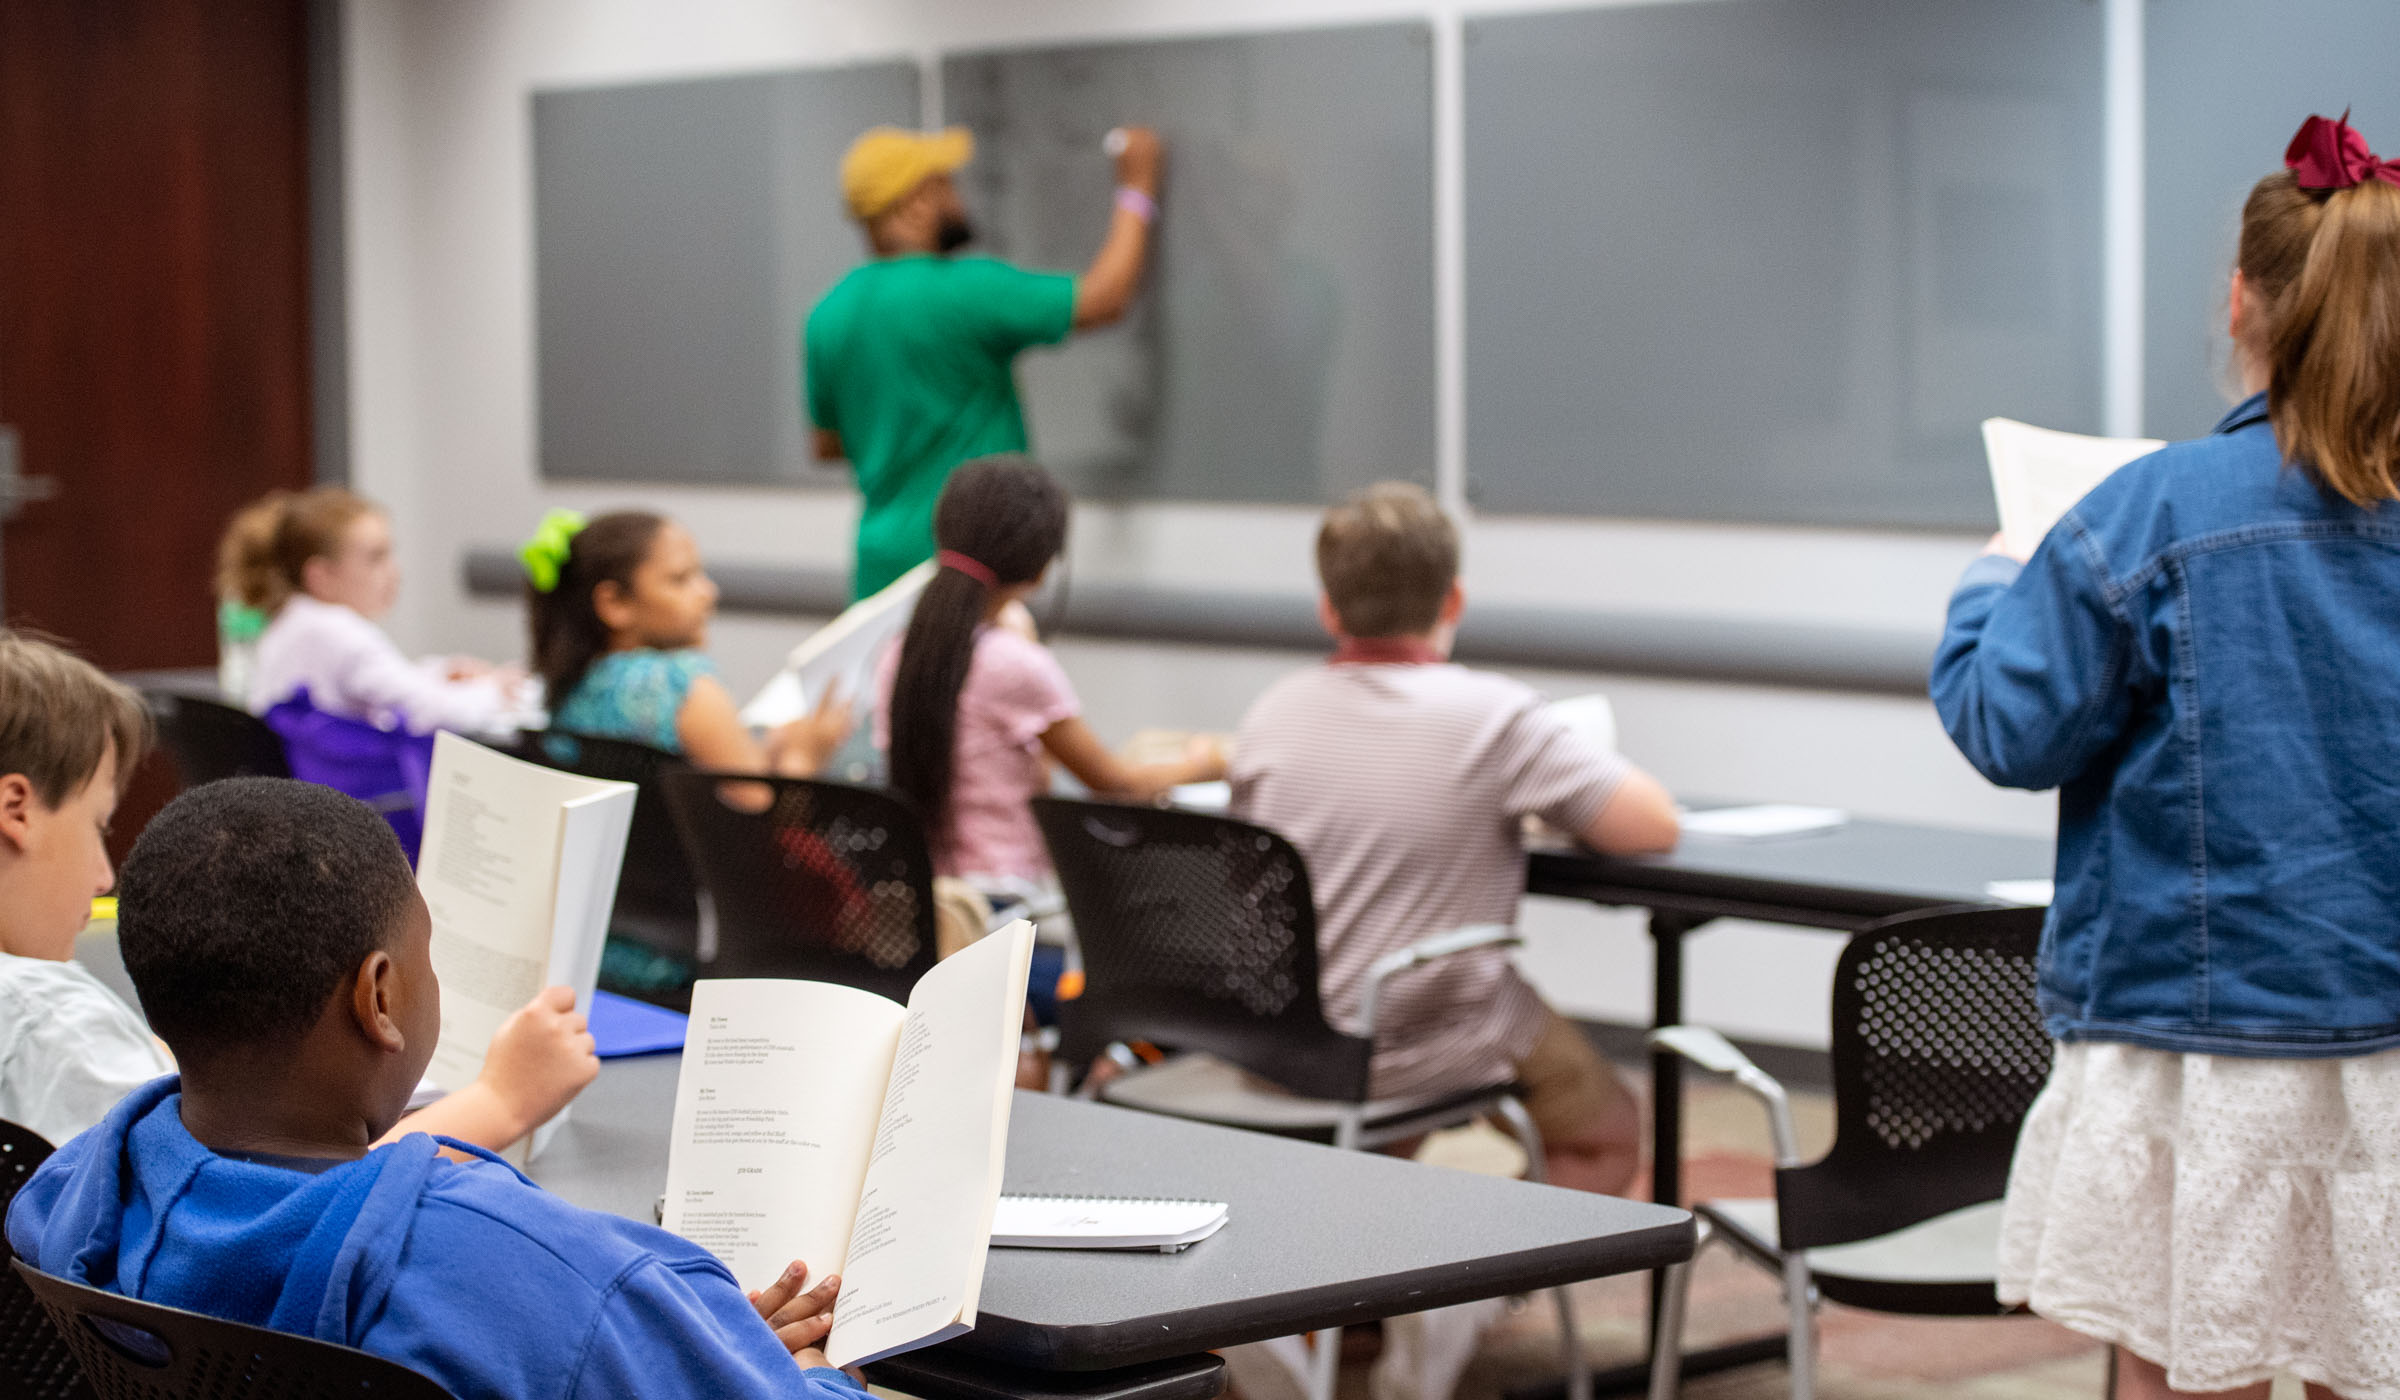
<point>2328,155</point>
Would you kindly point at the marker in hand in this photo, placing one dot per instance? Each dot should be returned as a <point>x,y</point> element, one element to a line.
<point>1115,141</point>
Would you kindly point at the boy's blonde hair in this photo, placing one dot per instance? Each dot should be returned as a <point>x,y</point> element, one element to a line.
<point>1387,557</point>
<point>59,716</point>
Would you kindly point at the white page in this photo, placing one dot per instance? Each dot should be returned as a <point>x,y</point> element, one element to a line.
<point>1591,718</point>
<point>2038,474</point>
<point>775,1113</point>
<point>924,1224</point>
<point>490,870</point>
<point>842,652</point>
<point>1760,822</point>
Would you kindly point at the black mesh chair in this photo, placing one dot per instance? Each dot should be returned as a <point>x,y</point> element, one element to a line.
<point>140,1351</point>
<point>1199,934</point>
<point>1938,1051</point>
<point>658,899</point>
<point>809,879</point>
<point>34,1361</point>
<point>209,740</point>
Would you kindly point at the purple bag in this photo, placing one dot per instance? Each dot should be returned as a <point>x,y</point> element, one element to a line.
<point>389,770</point>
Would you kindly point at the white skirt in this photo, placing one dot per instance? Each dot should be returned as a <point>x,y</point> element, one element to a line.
<point>2225,1218</point>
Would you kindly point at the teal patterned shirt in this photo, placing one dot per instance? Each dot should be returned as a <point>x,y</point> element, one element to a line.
<point>633,695</point>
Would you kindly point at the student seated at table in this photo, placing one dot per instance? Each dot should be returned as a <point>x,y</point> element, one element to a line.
<point>69,1047</point>
<point>619,609</point>
<point>276,932</point>
<point>1403,781</point>
<point>318,566</point>
<point>972,707</point>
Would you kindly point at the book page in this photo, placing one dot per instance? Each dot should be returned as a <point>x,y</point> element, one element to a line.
<point>925,1219</point>
<point>2038,474</point>
<point>775,1114</point>
<point>841,653</point>
<point>489,869</point>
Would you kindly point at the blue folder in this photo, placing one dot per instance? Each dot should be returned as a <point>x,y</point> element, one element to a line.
<point>622,1026</point>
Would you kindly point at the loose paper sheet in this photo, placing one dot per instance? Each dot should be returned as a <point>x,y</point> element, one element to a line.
<point>841,653</point>
<point>2038,474</point>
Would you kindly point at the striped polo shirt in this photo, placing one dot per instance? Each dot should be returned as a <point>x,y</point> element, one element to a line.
<point>1404,787</point>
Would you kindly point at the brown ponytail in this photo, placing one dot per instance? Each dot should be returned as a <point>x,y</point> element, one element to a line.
<point>270,541</point>
<point>2325,268</point>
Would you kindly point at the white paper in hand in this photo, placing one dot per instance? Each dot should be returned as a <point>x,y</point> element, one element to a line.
<point>841,653</point>
<point>2038,474</point>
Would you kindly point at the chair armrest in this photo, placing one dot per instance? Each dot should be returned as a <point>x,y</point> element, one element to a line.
<point>1711,1051</point>
<point>1423,951</point>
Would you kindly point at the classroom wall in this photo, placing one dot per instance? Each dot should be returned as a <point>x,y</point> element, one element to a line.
<point>442,420</point>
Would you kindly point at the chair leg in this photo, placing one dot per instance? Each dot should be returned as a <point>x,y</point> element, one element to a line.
<point>1666,1351</point>
<point>1570,1337</point>
<point>1799,1293</point>
<point>1324,1362</point>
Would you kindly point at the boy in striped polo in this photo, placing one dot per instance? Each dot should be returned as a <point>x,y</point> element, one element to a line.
<point>1404,780</point>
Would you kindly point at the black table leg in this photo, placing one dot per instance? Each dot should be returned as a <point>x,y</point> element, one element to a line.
<point>1667,930</point>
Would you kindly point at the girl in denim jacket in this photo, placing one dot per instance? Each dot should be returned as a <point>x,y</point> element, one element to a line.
<point>2204,658</point>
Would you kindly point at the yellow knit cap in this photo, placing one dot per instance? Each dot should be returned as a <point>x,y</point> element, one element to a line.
<point>888,162</point>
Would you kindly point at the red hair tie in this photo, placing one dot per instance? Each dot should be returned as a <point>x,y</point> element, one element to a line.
<point>2328,155</point>
<point>972,568</point>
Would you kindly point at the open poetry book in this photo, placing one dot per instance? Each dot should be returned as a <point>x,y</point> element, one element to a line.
<point>519,868</point>
<point>841,654</point>
<point>827,1124</point>
<point>2038,474</point>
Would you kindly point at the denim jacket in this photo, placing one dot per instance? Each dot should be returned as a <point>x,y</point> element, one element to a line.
<point>2204,658</point>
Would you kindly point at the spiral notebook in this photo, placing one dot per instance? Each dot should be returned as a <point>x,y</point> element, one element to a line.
<point>1104,1222</point>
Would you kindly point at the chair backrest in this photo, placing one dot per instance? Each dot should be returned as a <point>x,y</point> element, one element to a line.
<point>208,740</point>
<point>134,1350</point>
<point>1938,1051</point>
<point>658,897</point>
<point>1198,933</point>
<point>809,879</point>
<point>34,1361</point>
<point>387,769</point>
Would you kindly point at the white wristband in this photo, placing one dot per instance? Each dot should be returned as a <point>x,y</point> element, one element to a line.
<point>1136,203</point>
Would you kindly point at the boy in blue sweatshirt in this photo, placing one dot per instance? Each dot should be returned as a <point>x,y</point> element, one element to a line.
<point>276,931</point>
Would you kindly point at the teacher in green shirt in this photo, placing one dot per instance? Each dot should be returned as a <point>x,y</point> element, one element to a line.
<point>910,359</point>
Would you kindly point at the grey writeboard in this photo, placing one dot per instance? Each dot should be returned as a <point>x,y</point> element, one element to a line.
<point>1282,348</point>
<point>2228,83</point>
<point>1774,260</point>
<point>681,232</point>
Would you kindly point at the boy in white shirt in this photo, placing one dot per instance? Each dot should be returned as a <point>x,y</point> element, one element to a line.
<point>69,1047</point>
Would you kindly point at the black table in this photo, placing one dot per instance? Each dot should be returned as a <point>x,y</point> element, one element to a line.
<point>1843,879</point>
<point>1318,1237</point>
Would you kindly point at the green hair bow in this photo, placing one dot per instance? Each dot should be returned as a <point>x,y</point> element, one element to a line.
<point>545,554</point>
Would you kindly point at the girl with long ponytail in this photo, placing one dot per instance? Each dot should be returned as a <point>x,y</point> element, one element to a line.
<point>2204,659</point>
<point>971,706</point>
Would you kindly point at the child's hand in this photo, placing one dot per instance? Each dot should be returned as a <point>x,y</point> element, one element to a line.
<point>800,1320</point>
<point>803,747</point>
<point>540,1058</point>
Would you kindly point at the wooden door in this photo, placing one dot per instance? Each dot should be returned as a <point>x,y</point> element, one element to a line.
<point>153,305</point>
<point>153,312</point>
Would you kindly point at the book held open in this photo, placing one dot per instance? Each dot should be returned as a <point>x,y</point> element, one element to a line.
<point>2038,474</point>
<point>519,870</point>
<point>827,1124</point>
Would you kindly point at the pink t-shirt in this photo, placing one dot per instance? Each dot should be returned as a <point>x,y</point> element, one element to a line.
<point>1015,690</point>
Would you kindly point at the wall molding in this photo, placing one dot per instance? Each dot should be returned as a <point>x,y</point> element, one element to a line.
<point>1810,656</point>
